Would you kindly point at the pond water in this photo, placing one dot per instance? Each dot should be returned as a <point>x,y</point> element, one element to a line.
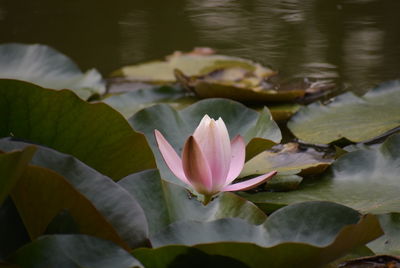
<point>355,43</point>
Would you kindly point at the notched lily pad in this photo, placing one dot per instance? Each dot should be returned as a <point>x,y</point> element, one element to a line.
<point>348,116</point>
<point>287,159</point>
<point>46,67</point>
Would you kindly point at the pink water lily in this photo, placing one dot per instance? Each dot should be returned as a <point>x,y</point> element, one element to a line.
<point>210,161</point>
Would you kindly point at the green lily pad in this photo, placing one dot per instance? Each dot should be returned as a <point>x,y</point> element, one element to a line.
<point>12,165</point>
<point>163,71</point>
<point>73,251</point>
<point>389,243</point>
<point>348,116</point>
<point>308,234</point>
<point>258,129</point>
<point>131,102</point>
<point>94,133</point>
<point>46,67</point>
<point>171,203</point>
<point>367,180</point>
<point>114,203</point>
<point>38,185</point>
<point>288,159</point>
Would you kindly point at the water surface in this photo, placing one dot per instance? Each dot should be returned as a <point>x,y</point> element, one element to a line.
<point>353,42</point>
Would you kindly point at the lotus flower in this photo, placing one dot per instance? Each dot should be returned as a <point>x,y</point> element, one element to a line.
<point>210,161</point>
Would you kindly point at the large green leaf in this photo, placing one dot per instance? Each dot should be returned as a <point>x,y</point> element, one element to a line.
<point>308,234</point>
<point>45,66</point>
<point>94,133</point>
<point>12,165</point>
<point>170,203</point>
<point>41,194</point>
<point>118,207</point>
<point>258,129</point>
<point>73,251</point>
<point>367,180</point>
<point>348,116</point>
<point>389,243</point>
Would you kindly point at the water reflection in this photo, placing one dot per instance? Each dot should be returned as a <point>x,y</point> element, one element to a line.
<point>352,42</point>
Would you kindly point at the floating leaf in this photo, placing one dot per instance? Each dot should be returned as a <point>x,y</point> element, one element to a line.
<point>110,199</point>
<point>206,87</point>
<point>258,129</point>
<point>45,66</point>
<point>12,165</point>
<point>389,243</point>
<point>170,203</point>
<point>94,133</point>
<point>163,71</point>
<point>308,234</point>
<point>348,116</point>
<point>287,159</point>
<point>367,180</point>
<point>73,251</point>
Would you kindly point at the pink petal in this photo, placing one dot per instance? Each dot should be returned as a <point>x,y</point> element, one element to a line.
<point>170,156</point>
<point>238,156</point>
<point>196,167</point>
<point>246,185</point>
<point>213,138</point>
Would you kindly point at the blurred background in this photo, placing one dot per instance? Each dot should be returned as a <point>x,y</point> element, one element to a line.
<point>356,43</point>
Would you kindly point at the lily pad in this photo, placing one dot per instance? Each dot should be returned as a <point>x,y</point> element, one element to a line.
<point>46,67</point>
<point>94,133</point>
<point>73,251</point>
<point>190,64</point>
<point>348,116</point>
<point>309,234</point>
<point>12,166</point>
<point>389,243</point>
<point>131,102</point>
<point>246,90</point>
<point>367,180</point>
<point>171,203</point>
<point>114,203</point>
<point>287,159</point>
<point>258,129</point>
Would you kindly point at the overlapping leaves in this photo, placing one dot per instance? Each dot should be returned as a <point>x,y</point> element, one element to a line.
<point>94,133</point>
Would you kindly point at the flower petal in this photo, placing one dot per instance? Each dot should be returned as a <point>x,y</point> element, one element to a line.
<point>246,185</point>
<point>238,157</point>
<point>170,156</point>
<point>196,167</point>
<point>213,138</point>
